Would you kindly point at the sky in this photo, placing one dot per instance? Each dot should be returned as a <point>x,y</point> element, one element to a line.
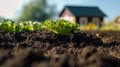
<point>8,8</point>
<point>11,8</point>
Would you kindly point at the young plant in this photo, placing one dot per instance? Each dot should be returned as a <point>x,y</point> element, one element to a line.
<point>28,26</point>
<point>19,26</point>
<point>49,24</point>
<point>8,26</point>
<point>62,27</point>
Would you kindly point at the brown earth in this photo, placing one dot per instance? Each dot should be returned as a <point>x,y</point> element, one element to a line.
<point>46,49</point>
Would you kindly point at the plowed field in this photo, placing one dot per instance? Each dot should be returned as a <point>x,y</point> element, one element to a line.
<point>46,49</point>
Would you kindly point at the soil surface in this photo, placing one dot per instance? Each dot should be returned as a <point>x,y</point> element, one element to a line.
<point>46,49</point>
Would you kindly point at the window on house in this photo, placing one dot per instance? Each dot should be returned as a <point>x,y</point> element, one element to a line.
<point>96,21</point>
<point>83,21</point>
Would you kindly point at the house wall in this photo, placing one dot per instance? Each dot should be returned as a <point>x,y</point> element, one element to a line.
<point>67,15</point>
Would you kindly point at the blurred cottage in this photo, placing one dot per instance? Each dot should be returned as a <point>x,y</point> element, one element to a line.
<point>83,15</point>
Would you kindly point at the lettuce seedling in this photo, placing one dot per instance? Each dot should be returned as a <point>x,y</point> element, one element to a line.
<point>8,26</point>
<point>37,26</point>
<point>28,26</point>
<point>19,26</point>
<point>62,27</point>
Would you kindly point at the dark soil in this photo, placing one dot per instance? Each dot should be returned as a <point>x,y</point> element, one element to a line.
<point>46,49</point>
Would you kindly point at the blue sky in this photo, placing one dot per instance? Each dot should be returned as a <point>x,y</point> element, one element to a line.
<point>10,8</point>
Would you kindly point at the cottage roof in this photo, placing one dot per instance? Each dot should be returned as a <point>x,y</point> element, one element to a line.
<point>85,11</point>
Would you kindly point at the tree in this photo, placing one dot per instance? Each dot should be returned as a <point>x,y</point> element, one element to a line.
<point>1,18</point>
<point>37,10</point>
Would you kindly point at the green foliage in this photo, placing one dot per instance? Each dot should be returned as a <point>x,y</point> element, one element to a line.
<point>49,25</point>
<point>62,27</point>
<point>19,26</point>
<point>38,26</point>
<point>37,10</point>
<point>8,26</point>
<point>28,26</point>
